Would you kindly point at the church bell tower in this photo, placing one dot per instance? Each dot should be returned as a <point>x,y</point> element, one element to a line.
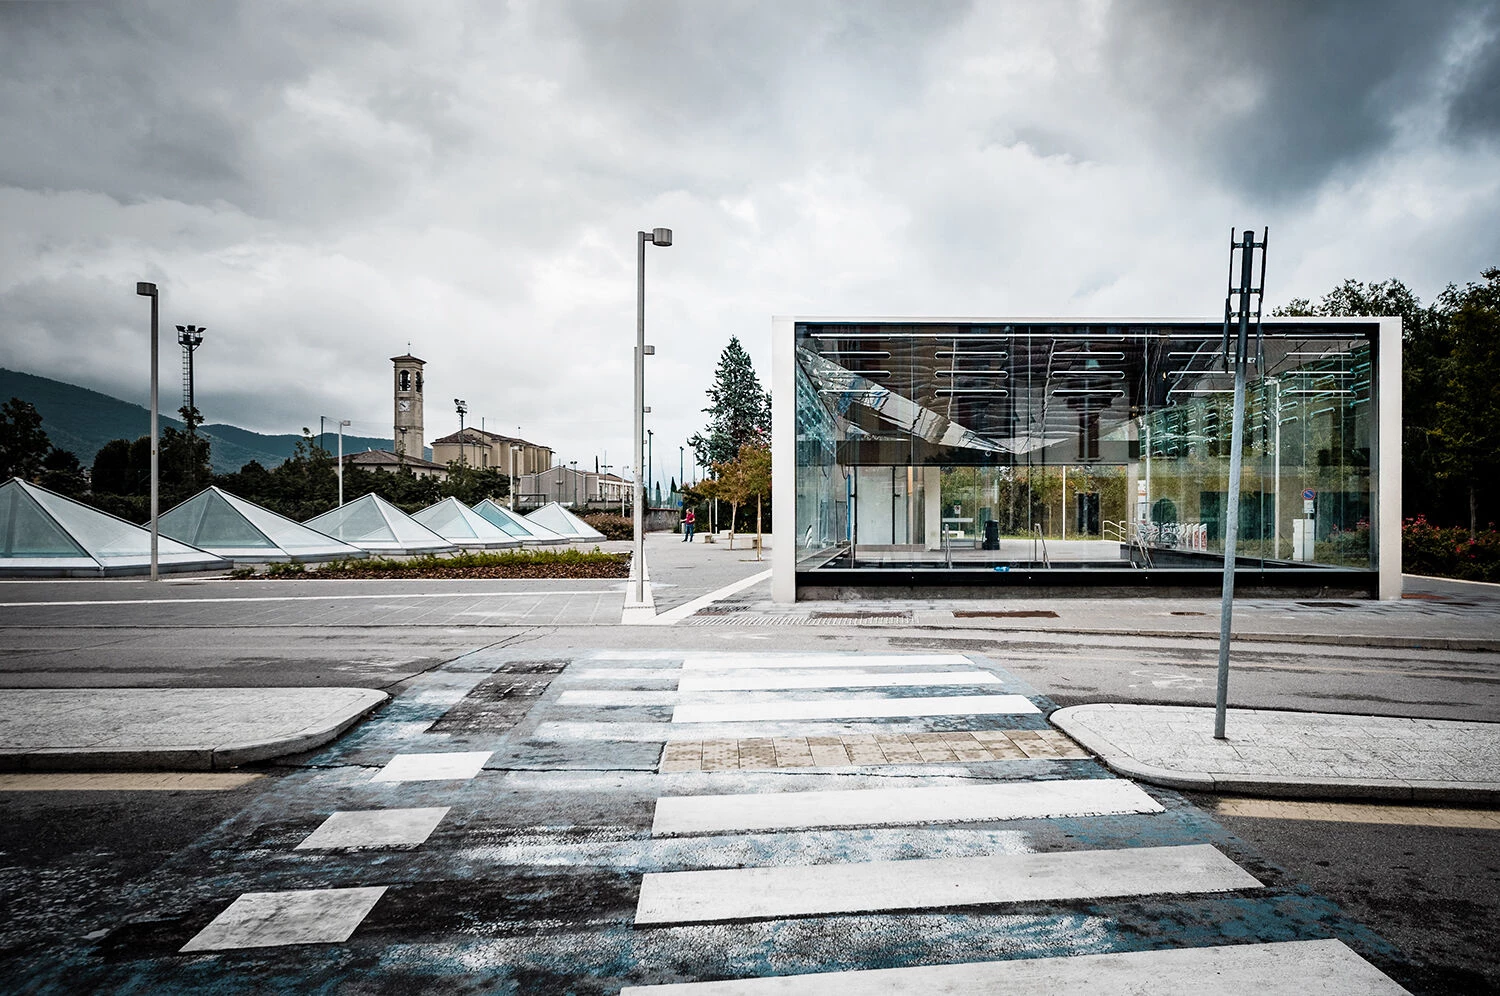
<point>409,441</point>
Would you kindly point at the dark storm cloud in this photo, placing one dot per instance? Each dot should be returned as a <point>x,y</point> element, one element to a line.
<point>1277,95</point>
<point>1475,111</point>
<point>187,103</point>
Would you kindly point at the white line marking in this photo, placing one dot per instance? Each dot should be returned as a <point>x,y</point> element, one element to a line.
<point>829,679</point>
<point>273,919</point>
<point>433,767</point>
<point>302,598</point>
<point>673,616</point>
<point>1282,968</point>
<point>714,662</point>
<point>615,697</point>
<point>936,705</point>
<point>374,828</point>
<point>933,883</point>
<point>696,814</point>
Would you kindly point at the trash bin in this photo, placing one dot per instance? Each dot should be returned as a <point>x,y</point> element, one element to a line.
<point>991,534</point>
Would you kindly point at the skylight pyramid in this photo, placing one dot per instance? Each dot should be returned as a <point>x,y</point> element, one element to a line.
<point>43,533</point>
<point>564,523</point>
<point>522,528</point>
<point>374,524</point>
<point>461,526</point>
<point>242,531</point>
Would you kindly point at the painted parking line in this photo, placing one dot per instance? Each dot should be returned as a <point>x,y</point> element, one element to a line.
<point>1353,812</point>
<point>933,883</point>
<point>1283,968</point>
<point>274,919</point>
<point>352,830</point>
<point>798,709</point>
<point>302,598</point>
<point>714,662</point>
<point>852,678</point>
<point>433,767</point>
<point>696,814</point>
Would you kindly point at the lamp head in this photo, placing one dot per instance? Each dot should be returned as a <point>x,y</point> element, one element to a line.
<point>145,289</point>
<point>661,236</point>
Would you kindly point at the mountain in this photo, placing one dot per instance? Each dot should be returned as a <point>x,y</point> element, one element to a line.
<point>81,421</point>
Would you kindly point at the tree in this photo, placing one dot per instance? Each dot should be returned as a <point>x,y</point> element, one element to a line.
<point>739,409</point>
<point>62,472</point>
<point>755,475</point>
<point>23,444</point>
<point>1467,423</point>
<point>183,461</point>
<point>113,472</point>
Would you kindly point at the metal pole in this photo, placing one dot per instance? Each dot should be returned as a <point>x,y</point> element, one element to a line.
<point>155,439</point>
<point>650,463</point>
<point>1236,451</point>
<point>681,451</point>
<point>639,445</point>
<point>342,423</point>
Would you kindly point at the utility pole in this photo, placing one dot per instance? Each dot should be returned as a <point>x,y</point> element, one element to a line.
<point>342,422</point>
<point>1237,308</point>
<point>189,337</point>
<point>463,409</point>
<point>657,237</point>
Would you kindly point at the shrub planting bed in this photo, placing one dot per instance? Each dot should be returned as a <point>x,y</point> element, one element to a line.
<point>507,564</point>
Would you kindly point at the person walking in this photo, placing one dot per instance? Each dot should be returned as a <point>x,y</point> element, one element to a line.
<point>687,526</point>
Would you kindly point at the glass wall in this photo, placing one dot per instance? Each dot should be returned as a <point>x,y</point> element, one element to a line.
<point>1077,447</point>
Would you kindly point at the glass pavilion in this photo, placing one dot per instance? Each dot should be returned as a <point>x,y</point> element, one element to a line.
<point>1048,453</point>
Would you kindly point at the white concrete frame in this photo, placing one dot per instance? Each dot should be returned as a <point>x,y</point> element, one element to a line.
<point>1386,448</point>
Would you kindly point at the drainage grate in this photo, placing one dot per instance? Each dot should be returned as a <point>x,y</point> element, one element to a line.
<point>862,614</point>
<point>1010,614</point>
<point>500,701</point>
<point>1329,605</point>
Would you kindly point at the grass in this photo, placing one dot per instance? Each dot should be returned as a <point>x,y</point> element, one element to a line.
<point>505,564</point>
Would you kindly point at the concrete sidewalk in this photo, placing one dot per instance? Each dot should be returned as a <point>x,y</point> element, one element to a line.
<point>170,729</point>
<point>1293,754</point>
<point>1434,614</point>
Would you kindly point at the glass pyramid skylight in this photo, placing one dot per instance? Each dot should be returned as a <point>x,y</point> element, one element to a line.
<point>564,523</point>
<point>459,525</point>
<point>374,524</point>
<point>239,530</point>
<point>518,526</point>
<point>43,533</point>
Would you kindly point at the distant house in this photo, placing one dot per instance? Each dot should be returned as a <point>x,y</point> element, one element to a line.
<point>490,450</point>
<point>388,462</point>
<point>571,487</point>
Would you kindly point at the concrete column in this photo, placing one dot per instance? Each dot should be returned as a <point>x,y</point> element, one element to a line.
<point>932,489</point>
<point>1387,446</point>
<point>784,459</point>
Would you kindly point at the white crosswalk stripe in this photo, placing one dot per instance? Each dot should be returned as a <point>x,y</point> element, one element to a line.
<point>1284,968</point>
<point>848,708</point>
<point>899,806</point>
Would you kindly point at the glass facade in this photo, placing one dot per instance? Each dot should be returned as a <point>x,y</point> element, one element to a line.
<point>1001,452</point>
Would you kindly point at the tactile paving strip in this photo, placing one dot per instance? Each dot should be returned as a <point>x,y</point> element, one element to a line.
<point>868,748</point>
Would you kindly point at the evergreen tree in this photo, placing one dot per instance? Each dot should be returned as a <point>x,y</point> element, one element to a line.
<point>739,410</point>
<point>23,444</point>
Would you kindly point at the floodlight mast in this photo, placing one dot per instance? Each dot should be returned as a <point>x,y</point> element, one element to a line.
<point>145,289</point>
<point>657,237</point>
<point>1237,353</point>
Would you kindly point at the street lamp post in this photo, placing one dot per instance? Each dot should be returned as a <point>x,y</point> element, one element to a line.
<point>463,409</point>
<point>681,479</point>
<point>513,448</point>
<point>342,422</point>
<point>650,464</point>
<point>149,290</point>
<point>657,237</point>
<point>574,465</point>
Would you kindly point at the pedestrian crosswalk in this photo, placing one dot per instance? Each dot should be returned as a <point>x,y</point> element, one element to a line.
<point>909,824</point>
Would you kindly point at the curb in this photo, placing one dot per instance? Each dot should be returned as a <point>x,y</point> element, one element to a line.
<point>219,758</point>
<point>1340,640</point>
<point>1273,786</point>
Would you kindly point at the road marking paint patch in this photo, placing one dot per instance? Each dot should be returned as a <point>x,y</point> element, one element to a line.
<point>127,781</point>
<point>1283,968</point>
<point>273,919</point>
<point>933,883</point>
<point>851,678</point>
<point>713,662</point>
<point>702,814</point>
<point>937,705</point>
<point>375,828</point>
<point>615,697</point>
<point>432,767</point>
<point>1353,812</point>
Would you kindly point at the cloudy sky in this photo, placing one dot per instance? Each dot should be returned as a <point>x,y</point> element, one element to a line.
<point>320,183</point>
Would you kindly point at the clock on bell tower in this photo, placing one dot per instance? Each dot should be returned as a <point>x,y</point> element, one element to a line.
<point>408,437</point>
